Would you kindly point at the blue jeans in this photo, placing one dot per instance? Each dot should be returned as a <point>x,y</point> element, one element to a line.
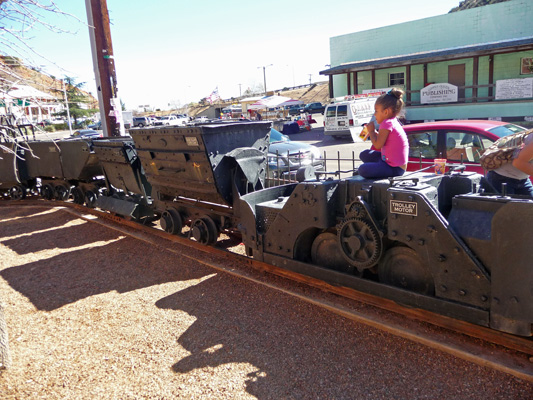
<point>514,186</point>
<point>374,167</point>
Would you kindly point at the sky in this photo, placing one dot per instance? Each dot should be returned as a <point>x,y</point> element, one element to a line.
<point>176,52</point>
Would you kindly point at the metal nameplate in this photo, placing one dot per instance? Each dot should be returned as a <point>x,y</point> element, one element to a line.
<point>404,207</point>
<point>191,141</point>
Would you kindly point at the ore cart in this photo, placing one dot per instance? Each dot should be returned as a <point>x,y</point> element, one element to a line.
<point>127,190</point>
<point>196,172</point>
<point>65,167</point>
<point>14,179</point>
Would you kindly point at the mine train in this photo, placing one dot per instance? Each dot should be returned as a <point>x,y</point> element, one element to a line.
<point>435,242</point>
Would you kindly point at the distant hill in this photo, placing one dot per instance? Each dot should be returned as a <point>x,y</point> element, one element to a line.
<point>14,71</point>
<point>466,4</point>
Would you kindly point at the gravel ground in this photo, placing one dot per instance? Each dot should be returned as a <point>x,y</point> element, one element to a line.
<point>93,314</point>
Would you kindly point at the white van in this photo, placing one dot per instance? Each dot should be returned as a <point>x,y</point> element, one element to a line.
<point>346,118</point>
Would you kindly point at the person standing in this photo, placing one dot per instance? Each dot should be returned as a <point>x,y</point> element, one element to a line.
<point>516,173</point>
<point>390,151</point>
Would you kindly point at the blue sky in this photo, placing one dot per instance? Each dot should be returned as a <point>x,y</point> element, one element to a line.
<point>179,51</point>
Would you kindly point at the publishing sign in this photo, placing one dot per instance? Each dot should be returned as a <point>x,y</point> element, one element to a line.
<point>439,93</point>
<point>514,89</point>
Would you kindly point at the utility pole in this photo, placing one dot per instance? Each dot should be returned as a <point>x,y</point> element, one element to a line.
<point>264,76</point>
<point>104,67</point>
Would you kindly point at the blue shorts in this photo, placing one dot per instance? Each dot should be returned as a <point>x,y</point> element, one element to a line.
<point>374,167</point>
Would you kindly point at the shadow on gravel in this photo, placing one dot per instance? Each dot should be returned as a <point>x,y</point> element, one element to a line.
<point>34,220</point>
<point>69,276</point>
<point>297,350</point>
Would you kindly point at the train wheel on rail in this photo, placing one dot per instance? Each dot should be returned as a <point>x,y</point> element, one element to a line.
<point>171,221</point>
<point>326,252</point>
<point>402,267</point>
<point>77,195</point>
<point>90,198</point>
<point>47,191</point>
<point>61,192</point>
<point>204,230</point>
<point>17,192</point>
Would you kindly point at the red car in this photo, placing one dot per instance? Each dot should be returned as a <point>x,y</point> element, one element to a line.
<point>456,141</point>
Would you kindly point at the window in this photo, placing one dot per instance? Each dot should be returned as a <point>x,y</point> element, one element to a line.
<point>463,146</point>
<point>331,111</point>
<point>423,145</point>
<point>526,66</point>
<point>396,79</point>
<point>342,111</point>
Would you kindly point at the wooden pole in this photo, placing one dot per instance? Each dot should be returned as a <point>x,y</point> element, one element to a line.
<point>104,66</point>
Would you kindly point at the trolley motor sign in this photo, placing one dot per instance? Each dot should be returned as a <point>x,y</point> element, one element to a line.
<point>439,93</point>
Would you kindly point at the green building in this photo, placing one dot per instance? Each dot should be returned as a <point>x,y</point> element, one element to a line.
<point>471,64</point>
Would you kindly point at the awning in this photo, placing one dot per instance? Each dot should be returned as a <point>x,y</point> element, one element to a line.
<point>273,102</point>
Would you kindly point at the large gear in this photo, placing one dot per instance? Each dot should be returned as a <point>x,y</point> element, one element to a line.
<point>356,210</point>
<point>360,243</point>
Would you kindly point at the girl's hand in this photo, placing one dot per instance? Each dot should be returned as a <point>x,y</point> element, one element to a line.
<point>371,127</point>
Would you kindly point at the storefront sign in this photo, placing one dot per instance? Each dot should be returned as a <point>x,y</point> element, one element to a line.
<point>439,93</point>
<point>514,89</point>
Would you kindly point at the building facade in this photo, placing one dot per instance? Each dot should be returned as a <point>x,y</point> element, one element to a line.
<point>471,64</point>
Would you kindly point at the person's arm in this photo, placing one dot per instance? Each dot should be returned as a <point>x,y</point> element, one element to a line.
<point>377,139</point>
<point>522,162</point>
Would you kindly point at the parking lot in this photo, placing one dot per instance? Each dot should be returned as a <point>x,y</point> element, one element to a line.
<point>343,149</point>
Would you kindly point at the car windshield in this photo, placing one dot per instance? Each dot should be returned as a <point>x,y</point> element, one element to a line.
<point>505,130</point>
<point>276,136</point>
<point>165,118</point>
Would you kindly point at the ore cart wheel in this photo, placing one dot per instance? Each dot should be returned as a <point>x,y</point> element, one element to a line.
<point>90,199</point>
<point>78,196</point>
<point>204,231</point>
<point>47,192</point>
<point>325,252</point>
<point>403,268</point>
<point>61,192</point>
<point>171,221</point>
<point>17,192</point>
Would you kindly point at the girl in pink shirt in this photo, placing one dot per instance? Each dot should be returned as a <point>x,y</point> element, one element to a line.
<point>392,149</point>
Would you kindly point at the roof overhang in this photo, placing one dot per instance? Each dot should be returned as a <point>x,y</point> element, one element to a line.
<point>504,46</point>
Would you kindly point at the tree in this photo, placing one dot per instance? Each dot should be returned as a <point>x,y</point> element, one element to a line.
<point>77,101</point>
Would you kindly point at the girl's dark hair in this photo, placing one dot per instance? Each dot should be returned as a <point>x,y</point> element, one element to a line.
<point>392,99</point>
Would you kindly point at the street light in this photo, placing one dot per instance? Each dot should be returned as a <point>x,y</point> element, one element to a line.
<point>264,75</point>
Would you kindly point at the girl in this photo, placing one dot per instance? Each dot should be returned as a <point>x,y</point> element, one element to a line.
<point>392,149</point>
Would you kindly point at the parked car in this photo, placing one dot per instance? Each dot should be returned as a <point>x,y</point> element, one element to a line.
<point>346,118</point>
<point>170,120</point>
<point>456,141</point>
<point>97,126</point>
<point>86,134</point>
<point>141,121</point>
<point>299,154</point>
<point>314,108</point>
<point>295,109</point>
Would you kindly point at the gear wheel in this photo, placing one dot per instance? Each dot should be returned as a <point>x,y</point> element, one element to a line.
<point>356,210</point>
<point>360,243</point>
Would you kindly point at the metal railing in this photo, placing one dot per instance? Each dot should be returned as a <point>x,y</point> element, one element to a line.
<point>284,169</point>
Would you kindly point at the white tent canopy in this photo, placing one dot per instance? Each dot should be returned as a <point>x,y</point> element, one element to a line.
<point>28,92</point>
<point>273,102</point>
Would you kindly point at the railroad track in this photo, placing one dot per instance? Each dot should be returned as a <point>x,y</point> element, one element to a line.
<point>492,349</point>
